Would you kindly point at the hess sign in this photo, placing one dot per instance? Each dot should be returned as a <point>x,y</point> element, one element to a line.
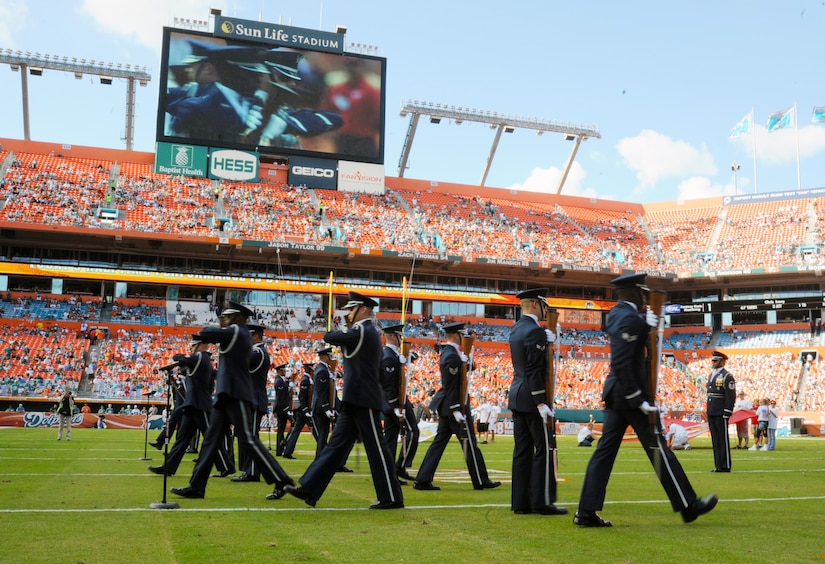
<point>230,164</point>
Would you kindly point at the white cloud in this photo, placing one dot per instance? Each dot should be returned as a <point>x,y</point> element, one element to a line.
<point>701,187</point>
<point>546,180</point>
<point>779,147</point>
<point>143,21</point>
<point>653,157</point>
<point>13,15</point>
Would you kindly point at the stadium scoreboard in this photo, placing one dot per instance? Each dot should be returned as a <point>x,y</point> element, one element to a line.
<point>765,304</point>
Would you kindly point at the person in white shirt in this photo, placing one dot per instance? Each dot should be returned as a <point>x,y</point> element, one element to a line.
<point>773,421</point>
<point>743,427</point>
<point>482,415</point>
<point>492,419</point>
<point>677,437</point>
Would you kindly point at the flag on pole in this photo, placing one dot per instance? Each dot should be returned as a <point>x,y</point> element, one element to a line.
<point>819,114</point>
<point>743,127</point>
<point>780,120</point>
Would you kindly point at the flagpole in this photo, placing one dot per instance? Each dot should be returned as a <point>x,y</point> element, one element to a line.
<point>798,167</point>
<point>753,138</point>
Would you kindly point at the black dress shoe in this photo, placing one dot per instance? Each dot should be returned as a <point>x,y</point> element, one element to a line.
<point>387,505</point>
<point>244,477</point>
<point>402,482</point>
<point>590,519</point>
<point>289,456</point>
<point>551,510</point>
<point>157,470</point>
<point>344,469</point>
<point>277,494</point>
<point>223,474</point>
<point>425,486</point>
<point>402,473</point>
<point>301,493</point>
<point>522,511</point>
<point>488,485</point>
<point>187,491</point>
<point>721,470</point>
<point>156,445</point>
<point>700,506</point>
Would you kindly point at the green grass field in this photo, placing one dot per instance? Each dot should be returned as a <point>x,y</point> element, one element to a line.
<point>88,501</point>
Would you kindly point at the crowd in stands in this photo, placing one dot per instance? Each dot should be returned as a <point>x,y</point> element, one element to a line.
<point>55,190</point>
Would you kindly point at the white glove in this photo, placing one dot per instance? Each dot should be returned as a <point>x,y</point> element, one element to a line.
<point>398,412</point>
<point>402,359</point>
<point>254,117</point>
<point>551,337</point>
<point>651,318</point>
<point>464,357</point>
<point>545,411</point>
<point>459,417</point>
<point>330,413</point>
<point>647,409</point>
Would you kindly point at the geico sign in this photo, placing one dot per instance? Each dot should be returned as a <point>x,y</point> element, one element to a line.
<point>233,165</point>
<point>316,172</point>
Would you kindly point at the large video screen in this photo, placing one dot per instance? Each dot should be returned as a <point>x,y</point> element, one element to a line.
<point>273,100</point>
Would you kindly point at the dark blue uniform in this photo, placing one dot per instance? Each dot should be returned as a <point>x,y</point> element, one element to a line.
<point>721,397</point>
<point>234,406</point>
<point>624,391</point>
<point>534,477</point>
<point>283,408</point>
<point>445,402</point>
<point>196,404</point>
<point>303,415</point>
<point>391,383</point>
<point>361,405</point>
<point>320,405</point>
<point>259,362</point>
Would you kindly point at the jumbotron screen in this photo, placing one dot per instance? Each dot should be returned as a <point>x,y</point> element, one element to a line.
<point>274,100</point>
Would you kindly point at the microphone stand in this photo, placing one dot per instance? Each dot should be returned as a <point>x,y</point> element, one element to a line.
<point>148,395</point>
<point>163,504</point>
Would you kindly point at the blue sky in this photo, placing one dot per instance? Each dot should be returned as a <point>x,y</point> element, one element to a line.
<point>665,82</point>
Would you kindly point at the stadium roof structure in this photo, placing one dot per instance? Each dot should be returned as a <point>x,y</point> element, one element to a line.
<point>502,123</point>
<point>35,63</point>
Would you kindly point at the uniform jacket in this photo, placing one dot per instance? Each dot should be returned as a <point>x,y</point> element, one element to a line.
<point>721,394</point>
<point>391,376</point>
<point>200,379</point>
<point>361,345</point>
<point>304,393</point>
<point>626,384</point>
<point>235,348</point>
<point>528,350</point>
<point>320,394</point>
<point>450,365</point>
<point>283,397</point>
<point>259,362</point>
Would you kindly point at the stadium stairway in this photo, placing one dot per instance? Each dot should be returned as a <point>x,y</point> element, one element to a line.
<point>651,240</point>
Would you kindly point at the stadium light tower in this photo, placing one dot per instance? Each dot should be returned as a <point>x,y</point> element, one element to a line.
<point>500,122</point>
<point>34,64</point>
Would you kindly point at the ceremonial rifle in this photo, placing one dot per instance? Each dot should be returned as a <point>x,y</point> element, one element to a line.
<point>402,372</point>
<point>552,320</point>
<point>464,398</point>
<point>656,302</point>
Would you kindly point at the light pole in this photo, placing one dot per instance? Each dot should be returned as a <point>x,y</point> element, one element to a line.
<point>735,168</point>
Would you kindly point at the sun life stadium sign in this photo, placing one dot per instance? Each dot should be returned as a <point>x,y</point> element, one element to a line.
<point>283,35</point>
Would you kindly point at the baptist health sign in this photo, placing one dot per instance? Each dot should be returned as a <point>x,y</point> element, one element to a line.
<point>181,160</point>
<point>194,160</point>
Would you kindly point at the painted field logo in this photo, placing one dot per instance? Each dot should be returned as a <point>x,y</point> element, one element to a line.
<point>233,165</point>
<point>182,155</point>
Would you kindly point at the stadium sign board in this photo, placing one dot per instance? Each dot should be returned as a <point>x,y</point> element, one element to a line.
<point>180,159</point>
<point>230,164</point>
<point>360,177</point>
<point>313,173</point>
<point>287,36</point>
